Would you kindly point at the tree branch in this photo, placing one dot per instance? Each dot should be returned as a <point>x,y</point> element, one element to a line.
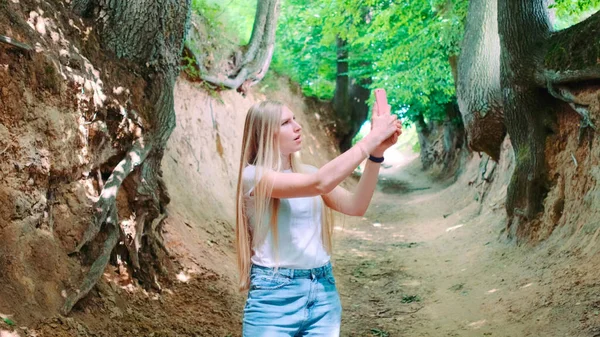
<point>573,54</point>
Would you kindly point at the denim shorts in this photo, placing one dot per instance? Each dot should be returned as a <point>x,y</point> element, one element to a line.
<point>292,302</point>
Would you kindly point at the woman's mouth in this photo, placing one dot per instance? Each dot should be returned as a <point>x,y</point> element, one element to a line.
<point>297,139</point>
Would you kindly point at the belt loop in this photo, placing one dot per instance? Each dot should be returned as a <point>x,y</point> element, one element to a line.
<point>291,273</point>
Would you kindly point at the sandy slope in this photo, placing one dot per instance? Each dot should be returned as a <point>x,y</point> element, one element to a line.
<point>427,260</point>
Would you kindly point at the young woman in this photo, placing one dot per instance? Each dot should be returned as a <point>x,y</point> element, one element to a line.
<point>284,224</point>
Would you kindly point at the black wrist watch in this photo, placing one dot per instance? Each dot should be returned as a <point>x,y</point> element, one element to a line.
<point>378,160</point>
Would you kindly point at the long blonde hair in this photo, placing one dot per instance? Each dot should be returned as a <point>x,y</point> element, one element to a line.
<point>260,147</point>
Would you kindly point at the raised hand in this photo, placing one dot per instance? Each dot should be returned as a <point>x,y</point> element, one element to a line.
<point>383,124</point>
<point>389,142</point>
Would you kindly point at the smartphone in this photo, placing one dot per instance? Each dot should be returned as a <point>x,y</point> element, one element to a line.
<point>381,99</point>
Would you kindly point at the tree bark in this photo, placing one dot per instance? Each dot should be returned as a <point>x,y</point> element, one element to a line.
<point>254,64</point>
<point>424,132</point>
<point>349,100</point>
<point>454,133</point>
<point>82,7</point>
<point>524,28</point>
<point>572,54</point>
<point>478,84</point>
<point>534,62</point>
<point>150,34</point>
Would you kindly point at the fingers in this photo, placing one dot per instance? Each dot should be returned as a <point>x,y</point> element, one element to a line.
<point>387,109</point>
<point>376,111</point>
<point>386,125</point>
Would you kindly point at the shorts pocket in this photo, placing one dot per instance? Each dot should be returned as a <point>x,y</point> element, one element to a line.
<point>330,279</point>
<point>265,282</point>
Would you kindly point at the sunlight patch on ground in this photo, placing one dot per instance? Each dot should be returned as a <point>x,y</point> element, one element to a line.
<point>493,291</point>
<point>183,277</point>
<point>412,283</point>
<point>527,285</point>
<point>422,198</point>
<point>453,228</point>
<point>6,333</point>
<point>478,324</point>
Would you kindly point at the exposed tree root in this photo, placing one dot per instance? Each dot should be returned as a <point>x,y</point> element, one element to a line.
<point>22,46</point>
<point>567,76</point>
<point>153,51</point>
<point>253,65</point>
<point>97,267</point>
<point>106,212</point>
<point>106,203</point>
<point>576,104</point>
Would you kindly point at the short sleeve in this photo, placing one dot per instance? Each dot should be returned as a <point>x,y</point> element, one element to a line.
<point>310,169</point>
<point>249,179</point>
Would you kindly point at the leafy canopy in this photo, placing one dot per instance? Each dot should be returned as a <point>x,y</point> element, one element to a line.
<point>404,46</point>
<point>401,45</point>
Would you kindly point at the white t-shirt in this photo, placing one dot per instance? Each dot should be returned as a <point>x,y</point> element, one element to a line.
<point>300,245</point>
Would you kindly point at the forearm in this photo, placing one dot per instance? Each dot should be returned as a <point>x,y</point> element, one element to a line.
<point>334,172</point>
<point>361,198</point>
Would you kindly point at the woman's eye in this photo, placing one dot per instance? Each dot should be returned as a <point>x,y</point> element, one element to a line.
<point>284,123</point>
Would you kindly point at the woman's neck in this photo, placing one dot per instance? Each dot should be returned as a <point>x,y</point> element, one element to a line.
<point>286,162</point>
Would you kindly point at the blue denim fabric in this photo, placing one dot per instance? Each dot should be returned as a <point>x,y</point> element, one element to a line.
<point>292,302</point>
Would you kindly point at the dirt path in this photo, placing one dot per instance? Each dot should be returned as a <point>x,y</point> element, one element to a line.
<point>424,261</point>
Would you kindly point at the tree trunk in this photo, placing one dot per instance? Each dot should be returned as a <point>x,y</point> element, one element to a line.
<point>534,62</point>
<point>454,134</point>
<point>349,101</point>
<point>478,84</point>
<point>150,34</point>
<point>454,127</point>
<point>424,133</point>
<point>524,28</point>
<point>250,68</point>
<point>341,102</point>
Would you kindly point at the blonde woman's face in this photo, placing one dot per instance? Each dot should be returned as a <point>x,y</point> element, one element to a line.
<point>290,140</point>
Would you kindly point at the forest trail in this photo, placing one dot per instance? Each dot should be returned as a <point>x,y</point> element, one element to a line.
<point>425,261</point>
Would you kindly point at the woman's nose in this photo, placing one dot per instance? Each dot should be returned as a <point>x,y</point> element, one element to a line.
<point>297,126</point>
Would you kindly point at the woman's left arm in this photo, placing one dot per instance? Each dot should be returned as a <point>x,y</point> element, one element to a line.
<point>355,204</point>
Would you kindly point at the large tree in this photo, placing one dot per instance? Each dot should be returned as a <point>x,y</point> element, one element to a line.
<point>248,64</point>
<point>536,66</point>
<point>149,35</point>
<point>478,79</point>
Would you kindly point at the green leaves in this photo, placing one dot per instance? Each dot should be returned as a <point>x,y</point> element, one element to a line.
<point>401,45</point>
<point>8,321</point>
<point>566,9</point>
<point>570,12</point>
